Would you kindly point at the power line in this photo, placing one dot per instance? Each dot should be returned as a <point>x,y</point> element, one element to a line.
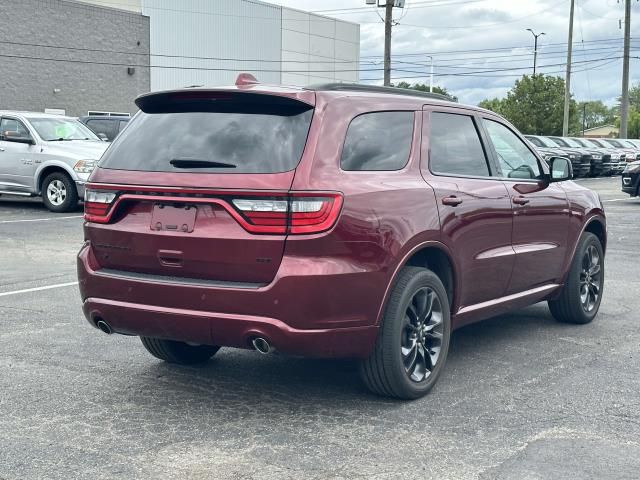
<point>173,67</point>
<point>596,67</point>
<point>119,52</point>
<point>414,5</point>
<point>482,50</point>
<point>480,27</point>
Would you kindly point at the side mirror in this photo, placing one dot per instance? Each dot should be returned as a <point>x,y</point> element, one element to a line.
<point>560,168</point>
<point>103,137</point>
<point>17,137</point>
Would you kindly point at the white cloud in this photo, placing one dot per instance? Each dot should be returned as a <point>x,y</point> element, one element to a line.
<point>494,24</point>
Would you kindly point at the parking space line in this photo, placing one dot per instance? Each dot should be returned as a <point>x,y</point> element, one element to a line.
<point>40,219</point>
<point>37,289</point>
<point>616,200</point>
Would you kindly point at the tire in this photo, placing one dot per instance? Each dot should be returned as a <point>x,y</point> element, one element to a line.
<point>385,371</point>
<point>59,192</point>
<point>572,306</point>
<point>181,353</point>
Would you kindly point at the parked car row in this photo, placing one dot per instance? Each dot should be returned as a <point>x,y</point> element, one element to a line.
<point>590,157</point>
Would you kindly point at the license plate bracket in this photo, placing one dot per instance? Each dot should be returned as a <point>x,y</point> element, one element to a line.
<point>173,218</point>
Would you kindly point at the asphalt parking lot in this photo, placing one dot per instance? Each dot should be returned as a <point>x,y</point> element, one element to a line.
<point>522,397</point>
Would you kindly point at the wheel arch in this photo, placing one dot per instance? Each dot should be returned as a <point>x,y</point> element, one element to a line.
<point>435,256</point>
<point>46,170</point>
<point>597,226</point>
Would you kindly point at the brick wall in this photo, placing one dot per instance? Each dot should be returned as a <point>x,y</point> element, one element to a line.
<point>110,40</point>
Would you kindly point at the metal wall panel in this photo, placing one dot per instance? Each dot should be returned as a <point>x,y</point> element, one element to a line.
<point>318,49</point>
<point>233,35</point>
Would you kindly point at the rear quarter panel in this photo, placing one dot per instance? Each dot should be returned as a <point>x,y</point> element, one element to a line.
<point>385,214</point>
<point>585,206</point>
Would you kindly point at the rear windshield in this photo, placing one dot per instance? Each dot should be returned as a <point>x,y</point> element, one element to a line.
<point>265,139</point>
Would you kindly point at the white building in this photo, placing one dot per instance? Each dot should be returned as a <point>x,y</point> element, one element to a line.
<point>207,42</point>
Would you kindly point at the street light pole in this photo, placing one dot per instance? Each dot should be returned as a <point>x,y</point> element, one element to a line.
<point>535,48</point>
<point>431,75</point>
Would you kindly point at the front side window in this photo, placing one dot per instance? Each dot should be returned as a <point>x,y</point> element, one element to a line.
<point>378,141</point>
<point>516,160</point>
<point>455,147</point>
<point>14,126</point>
<point>61,129</point>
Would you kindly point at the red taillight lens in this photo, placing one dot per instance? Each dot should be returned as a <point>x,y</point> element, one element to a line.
<point>300,213</point>
<point>313,214</point>
<point>97,204</point>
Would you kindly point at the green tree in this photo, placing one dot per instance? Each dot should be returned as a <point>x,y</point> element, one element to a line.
<point>535,105</point>
<point>633,128</point>
<point>495,105</point>
<point>595,114</point>
<point>634,96</point>
<point>425,88</point>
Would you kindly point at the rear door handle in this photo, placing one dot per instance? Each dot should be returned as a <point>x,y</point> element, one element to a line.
<point>451,201</point>
<point>520,200</point>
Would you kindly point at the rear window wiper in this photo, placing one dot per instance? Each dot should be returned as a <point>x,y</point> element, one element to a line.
<point>194,163</point>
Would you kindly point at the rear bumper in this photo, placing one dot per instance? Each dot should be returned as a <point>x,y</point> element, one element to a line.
<point>319,310</point>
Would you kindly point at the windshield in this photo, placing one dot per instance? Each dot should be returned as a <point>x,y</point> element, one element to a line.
<point>596,143</point>
<point>560,141</point>
<point>547,143</point>
<point>615,143</point>
<point>627,144</point>
<point>61,129</point>
<point>579,142</point>
<point>536,141</point>
<point>235,140</point>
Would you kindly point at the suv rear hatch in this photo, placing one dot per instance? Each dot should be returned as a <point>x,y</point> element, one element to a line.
<point>197,187</point>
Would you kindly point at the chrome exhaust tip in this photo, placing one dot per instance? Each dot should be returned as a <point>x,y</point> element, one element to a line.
<point>104,326</point>
<point>261,345</point>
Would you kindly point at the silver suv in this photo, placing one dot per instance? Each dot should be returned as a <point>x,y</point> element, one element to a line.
<point>47,155</point>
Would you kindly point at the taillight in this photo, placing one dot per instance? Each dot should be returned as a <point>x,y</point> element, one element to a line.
<point>300,213</point>
<point>283,213</point>
<point>97,204</point>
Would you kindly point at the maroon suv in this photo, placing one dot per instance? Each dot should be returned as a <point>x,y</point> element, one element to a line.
<point>335,221</point>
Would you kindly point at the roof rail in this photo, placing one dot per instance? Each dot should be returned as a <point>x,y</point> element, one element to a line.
<point>359,87</point>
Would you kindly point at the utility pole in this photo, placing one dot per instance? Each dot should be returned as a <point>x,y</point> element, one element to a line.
<point>535,48</point>
<point>624,106</point>
<point>388,23</point>
<point>584,117</point>
<point>567,80</point>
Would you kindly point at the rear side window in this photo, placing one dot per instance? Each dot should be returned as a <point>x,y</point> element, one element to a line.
<point>378,141</point>
<point>221,136</point>
<point>455,147</point>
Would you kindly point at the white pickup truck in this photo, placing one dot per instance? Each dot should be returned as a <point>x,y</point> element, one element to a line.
<point>46,155</point>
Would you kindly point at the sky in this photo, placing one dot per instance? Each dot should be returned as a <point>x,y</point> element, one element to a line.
<point>449,31</point>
